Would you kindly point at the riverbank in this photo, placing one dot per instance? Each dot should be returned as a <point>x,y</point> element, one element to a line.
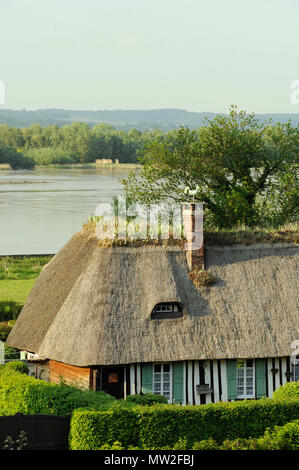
<point>81,166</point>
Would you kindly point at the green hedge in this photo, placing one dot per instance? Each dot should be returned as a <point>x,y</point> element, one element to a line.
<point>146,399</point>
<point>17,366</point>
<point>20,393</point>
<point>288,390</point>
<point>164,426</point>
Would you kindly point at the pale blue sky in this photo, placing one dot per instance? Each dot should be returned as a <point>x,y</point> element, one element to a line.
<point>200,55</point>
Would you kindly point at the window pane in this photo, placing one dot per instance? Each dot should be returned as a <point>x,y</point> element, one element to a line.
<point>157,377</point>
<point>249,363</point>
<point>157,368</point>
<point>166,367</point>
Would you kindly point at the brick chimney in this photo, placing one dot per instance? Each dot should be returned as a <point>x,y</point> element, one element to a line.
<point>194,235</point>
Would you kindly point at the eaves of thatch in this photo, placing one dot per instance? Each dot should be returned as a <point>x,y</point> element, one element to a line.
<point>92,305</point>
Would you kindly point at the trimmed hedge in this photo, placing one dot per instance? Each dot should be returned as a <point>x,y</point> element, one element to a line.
<point>146,399</point>
<point>164,426</point>
<point>288,390</point>
<point>20,393</point>
<point>17,366</point>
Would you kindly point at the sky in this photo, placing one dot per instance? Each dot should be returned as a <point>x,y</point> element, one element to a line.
<point>199,55</point>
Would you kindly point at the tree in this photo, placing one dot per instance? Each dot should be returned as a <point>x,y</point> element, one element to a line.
<point>15,159</point>
<point>233,159</point>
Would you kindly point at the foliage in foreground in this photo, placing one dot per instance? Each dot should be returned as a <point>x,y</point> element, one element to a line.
<point>162,426</point>
<point>284,437</point>
<point>288,390</point>
<point>20,393</point>
<point>146,399</point>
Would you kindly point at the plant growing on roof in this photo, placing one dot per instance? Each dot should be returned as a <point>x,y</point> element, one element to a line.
<point>201,278</point>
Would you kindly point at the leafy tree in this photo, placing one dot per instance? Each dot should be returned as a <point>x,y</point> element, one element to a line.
<point>233,160</point>
<point>14,159</point>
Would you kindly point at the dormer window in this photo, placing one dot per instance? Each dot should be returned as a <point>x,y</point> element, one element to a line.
<point>167,310</point>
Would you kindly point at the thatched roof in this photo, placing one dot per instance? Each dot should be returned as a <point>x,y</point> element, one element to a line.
<point>92,305</point>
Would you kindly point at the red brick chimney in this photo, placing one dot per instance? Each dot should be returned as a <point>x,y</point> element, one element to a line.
<point>194,235</point>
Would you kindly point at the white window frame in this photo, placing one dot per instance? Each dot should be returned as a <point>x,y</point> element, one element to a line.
<point>295,370</point>
<point>245,368</point>
<point>162,364</point>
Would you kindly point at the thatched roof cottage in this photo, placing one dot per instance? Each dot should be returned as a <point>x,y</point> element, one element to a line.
<point>127,319</point>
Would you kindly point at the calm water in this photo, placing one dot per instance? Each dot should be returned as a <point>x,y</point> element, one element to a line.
<point>40,210</point>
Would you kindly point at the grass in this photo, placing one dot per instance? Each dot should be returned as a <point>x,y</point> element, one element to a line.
<point>212,236</point>
<point>18,291</point>
<point>21,268</point>
<point>18,275</point>
<point>249,235</point>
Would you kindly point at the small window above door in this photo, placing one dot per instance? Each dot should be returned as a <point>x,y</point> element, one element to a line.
<point>167,310</point>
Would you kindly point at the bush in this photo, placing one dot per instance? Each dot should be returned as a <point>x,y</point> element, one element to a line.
<point>51,156</point>
<point>17,366</point>
<point>163,426</point>
<point>146,399</point>
<point>20,393</point>
<point>11,353</point>
<point>5,329</point>
<point>9,310</point>
<point>280,438</point>
<point>90,430</point>
<point>288,390</point>
<point>15,159</point>
<point>201,278</point>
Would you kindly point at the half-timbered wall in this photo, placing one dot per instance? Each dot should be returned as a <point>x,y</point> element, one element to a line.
<point>199,382</point>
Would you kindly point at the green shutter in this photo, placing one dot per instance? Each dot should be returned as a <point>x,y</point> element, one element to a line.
<point>260,378</point>
<point>178,382</point>
<point>147,378</point>
<point>231,372</point>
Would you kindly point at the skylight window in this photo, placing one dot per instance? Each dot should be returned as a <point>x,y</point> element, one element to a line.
<point>167,310</point>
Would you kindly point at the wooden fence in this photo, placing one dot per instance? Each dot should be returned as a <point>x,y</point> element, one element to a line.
<point>43,432</point>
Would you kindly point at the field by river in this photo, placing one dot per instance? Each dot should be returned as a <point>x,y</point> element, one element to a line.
<point>41,209</point>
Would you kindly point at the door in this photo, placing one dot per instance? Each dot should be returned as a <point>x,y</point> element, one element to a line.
<point>113,381</point>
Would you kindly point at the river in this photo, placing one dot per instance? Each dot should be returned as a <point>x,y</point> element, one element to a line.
<point>41,209</point>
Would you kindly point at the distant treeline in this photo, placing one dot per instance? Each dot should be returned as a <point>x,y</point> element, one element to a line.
<point>70,144</point>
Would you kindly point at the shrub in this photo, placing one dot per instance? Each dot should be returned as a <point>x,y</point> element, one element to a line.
<point>9,310</point>
<point>206,444</point>
<point>11,353</point>
<point>51,156</point>
<point>201,278</point>
<point>280,438</point>
<point>20,393</point>
<point>90,430</point>
<point>288,390</point>
<point>17,366</point>
<point>163,426</point>
<point>5,329</point>
<point>15,159</point>
<point>146,399</point>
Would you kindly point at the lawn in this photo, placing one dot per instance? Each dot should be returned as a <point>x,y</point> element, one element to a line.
<point>17,291</point>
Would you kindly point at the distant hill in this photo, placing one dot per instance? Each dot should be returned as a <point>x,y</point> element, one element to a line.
<point>165,119</point>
